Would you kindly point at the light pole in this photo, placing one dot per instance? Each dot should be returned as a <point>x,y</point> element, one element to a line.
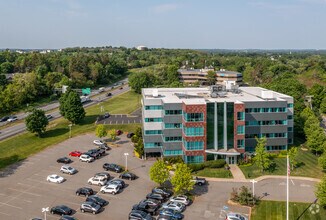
<point>253,189</point>
<point>70,125</point>
<point>45,210</point>
<point>126,154</point>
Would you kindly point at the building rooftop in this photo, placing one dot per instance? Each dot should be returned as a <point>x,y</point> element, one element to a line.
<point>203,95</point>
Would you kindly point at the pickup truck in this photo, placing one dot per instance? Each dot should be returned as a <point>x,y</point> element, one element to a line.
<point>199,181</point>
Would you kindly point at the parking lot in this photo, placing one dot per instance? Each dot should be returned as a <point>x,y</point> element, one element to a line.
<point>120,119</point>
<point>25,191</point>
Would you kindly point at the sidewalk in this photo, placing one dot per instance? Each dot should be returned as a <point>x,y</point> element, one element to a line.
<point>237,173</point>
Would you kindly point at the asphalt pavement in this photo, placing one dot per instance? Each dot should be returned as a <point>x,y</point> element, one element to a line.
<point>20,127</point>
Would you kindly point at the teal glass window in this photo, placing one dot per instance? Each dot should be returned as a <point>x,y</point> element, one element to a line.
<point>193,145</point>
<point>290,105</point>
<point>173,139</point>
<point>240,143</point>
<point>173,125</point>
<point>240,129</point>
<point>153,119</point>
<point>153,107</point>
<point>241,116</point>
<point>152,144</point>
<point>193,117</point>
<point>172,152</point>
<point>290,117</point>
<point>194,131</point>
<point>194,159</point>
<point>173,112</point>
<point>290,129</point>
<point>153,132</point>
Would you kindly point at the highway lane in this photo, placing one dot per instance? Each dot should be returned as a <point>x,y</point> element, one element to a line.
<point>20,127</point>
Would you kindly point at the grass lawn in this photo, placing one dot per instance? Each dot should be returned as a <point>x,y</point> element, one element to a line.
<point>20,147</point>
<point>214,172</point>
<point>308,167</point>
<point>274,210</point>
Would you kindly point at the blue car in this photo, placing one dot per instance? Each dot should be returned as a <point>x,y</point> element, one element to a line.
<point>172,213</point>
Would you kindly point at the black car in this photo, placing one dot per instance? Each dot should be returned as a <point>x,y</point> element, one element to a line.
<point>106,115</point>
<point>86,191</point>
<point>113,167</point>
<point>67,217</point>
<point>5,118</point>
<point>162,191</point>
<point>98,200</point>
<point>119,182</point>
<point>156,196</point>
<point>103,147</point>
<point>165,217</point>
<point>145,207</point>
<point>65,160</point>
<point>103,174</point>
<point>128,175</point>
<point>152,202</point>
<point>109,94</point>
<point>139,215</point>
<point>97,152</point>
<point>61,210</point>
<point>129,135</point>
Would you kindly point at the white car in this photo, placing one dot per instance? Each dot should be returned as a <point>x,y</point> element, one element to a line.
<point>68,169</point>
<point>12,118</point>
<point>97,181</point>
<point>86,158</point>
<point>179,207</point>
<point>54,178</point>
<point>180,199</point>
<point>235,216</point>
<point>98,142</point>
<point>111,188</point>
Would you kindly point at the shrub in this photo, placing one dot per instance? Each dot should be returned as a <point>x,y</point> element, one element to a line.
<point>244,197</point>
<point>215,163</point>
<point>134,139</point>
<point>273,155</point>
<point>196,167</point>
<point>173,160</point>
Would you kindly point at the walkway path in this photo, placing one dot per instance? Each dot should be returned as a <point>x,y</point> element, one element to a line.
<point>237,173</point>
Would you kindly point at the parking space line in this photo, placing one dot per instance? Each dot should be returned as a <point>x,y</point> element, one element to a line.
<point>4,214</point>
<point>16,207</point>
<point>24,184</point>
<point>122,121</point>
<point>110,122</point>
<point>34,194</point>
<point>73,203</point>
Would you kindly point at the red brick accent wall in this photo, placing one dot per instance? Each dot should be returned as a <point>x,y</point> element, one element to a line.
<point>201,108</point>
<point>238,107</point>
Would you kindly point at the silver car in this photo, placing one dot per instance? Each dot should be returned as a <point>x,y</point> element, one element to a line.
<point>68,169</point>
<point>90,207</point>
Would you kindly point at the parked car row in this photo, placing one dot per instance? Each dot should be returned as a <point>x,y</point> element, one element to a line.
<point>160,202</point>
<point>10,118</point>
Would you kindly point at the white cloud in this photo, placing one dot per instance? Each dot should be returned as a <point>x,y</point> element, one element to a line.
<point>164,8</point>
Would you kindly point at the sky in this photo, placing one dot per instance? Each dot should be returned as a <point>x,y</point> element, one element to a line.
<point>195,24</point>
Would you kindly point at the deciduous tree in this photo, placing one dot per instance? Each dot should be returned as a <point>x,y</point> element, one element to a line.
<point>112,134</point>
<point>71,107</point>
<point>321,192</point>
<point>36,122</point>
<point>182,179</point>
<point>211,77</point>
<point>261,156</point>
<point>159,172</point>
<point>101,131</point>
<point>293,154</point>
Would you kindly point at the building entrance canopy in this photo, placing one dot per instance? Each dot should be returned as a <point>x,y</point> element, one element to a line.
<point>230,152</point>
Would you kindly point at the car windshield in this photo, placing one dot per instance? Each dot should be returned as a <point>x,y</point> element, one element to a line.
<point>55,177</point>
<point>69,168</point>
<point>94,205</point>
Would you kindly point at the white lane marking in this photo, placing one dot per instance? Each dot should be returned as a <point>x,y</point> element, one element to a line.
<point>122,121</point>
<point>73,203</point>
<point>24,184</point>
<point>107,195</point>
<point>116,122</point>
<point>110,122</point>
<point>304,185</point>
<point>292,182</point>
<point>128,121</point>
<point>10,205</point>
<point>282,184</point>
<point>34,194</point>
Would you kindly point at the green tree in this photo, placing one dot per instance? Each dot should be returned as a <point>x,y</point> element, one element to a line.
<point>293,154</point>
<point>3,80</point>
<point>321,192</point>
<point>71,107</point>
<point>261,156</point>
<point>211,77</point>
<point>36,122</point>
<point>137,81</point>
<point>112,134</point>
<point>319,93</point>
<point>323,106</point>
<point>182,179</point>
<point>139,147</point>
<point>101,131</point>
<point>7,67</point>
<point>316,140</point>
<point>322,161</point>
<point>159,172</point>
<point>306,113</point>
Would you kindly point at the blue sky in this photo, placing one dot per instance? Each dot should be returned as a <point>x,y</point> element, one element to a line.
<point>225,24</point>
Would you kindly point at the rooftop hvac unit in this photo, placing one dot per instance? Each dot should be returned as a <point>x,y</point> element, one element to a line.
<point>214,95</point>
<point>155,92</point>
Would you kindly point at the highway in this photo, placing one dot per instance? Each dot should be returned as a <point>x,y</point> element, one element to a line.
<point>95,98</point>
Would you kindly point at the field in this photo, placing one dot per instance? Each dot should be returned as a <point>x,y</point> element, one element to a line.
<point>214,172</point>
<point>308,167</point>
<point>20,147</point>
<point>274,210</point>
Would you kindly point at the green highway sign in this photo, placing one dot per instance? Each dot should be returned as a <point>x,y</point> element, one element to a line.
<point>86,91</point>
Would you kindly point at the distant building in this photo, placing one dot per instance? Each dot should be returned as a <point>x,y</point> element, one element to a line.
<point>223,77</point>
<point>141,47</point>
<point>209,123</point>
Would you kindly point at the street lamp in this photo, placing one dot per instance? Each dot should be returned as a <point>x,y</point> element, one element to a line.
<point>253,189</point>
<point>70,125</point>
<point>45,210</point>
<point>126,154</point>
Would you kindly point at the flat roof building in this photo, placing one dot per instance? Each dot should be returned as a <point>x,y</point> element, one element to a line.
<point>200,124</point>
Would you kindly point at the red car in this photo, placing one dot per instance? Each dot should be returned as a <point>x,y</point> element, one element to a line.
<point>118,132</point>
<point>75,153</point>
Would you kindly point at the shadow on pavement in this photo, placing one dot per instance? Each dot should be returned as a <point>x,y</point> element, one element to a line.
<point>15,163</point>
